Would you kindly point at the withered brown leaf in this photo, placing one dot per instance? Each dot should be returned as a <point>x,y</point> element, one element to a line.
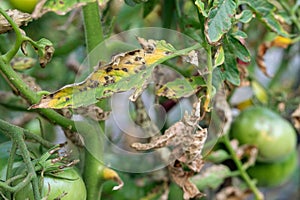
<point>17,16</point>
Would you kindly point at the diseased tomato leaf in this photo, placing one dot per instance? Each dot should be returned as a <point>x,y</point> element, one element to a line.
<point>181,87</point>
<point>219,20</point>
<point>126,71</point>
<point>60,7</point>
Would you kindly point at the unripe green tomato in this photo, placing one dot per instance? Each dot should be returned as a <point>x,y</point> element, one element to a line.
<point>274,174</point>
<point>24,5</point>
<point>65,185</point>
<point>274,137</point>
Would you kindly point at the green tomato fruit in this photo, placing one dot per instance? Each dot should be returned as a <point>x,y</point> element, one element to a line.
<point>274,137</point>
<point>274,174</point>
<point>66,185</point>
<point>24,5</point>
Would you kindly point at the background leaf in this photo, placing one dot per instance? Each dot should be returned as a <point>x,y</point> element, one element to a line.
<point>264,10</point>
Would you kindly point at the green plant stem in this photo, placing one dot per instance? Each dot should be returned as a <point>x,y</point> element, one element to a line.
<point>258,195</point>
<point>10,164</point>
<point>92,166</point>
<point>92,28</point>
<point>18,135</point>
<point>19,39</point>
<point>209,80</point>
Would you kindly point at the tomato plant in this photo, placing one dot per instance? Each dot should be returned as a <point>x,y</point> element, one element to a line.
<point>185,77</point>
<point>274,137</point>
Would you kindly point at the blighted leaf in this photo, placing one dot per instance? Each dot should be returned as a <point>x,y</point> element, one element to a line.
<point>109,174</point>
<point>296,118</point>
<point>219,20</point>
<point>17,16</point>
<point>186,139</point>
<point>44,50</point>
<point>92,111</point>
<point>74,137</point>
<point>265,11</point>
<point>22,63</point>
<point>60,7</point>
<point>181,87</point>
<point>126,71</point>
<point>212,177</point>
<point>219,57</point>
<point>143,120</point>
<point>201,9</point>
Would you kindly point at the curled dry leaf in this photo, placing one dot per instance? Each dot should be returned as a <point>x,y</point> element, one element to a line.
<point>279,41</point>
<point>186,139</point>
<point>296,118</point>
<point>20,18</point>
<point>262,49</point>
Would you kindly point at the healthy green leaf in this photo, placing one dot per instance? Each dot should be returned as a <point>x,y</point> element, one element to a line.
<point>219,20</point>
<point>238,49</point>
<point>231,72</point>
<point>201,9</point>
<point>212,177</point>
<point>245,16</point>
<point>219,57</point>
<point>239,34</point>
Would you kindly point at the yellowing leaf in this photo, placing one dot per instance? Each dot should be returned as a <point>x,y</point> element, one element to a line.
<point>260,92</point>
<point>126,71</point>
<point>282,42</point>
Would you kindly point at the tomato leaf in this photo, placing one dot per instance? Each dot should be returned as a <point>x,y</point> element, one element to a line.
<point>219,20</point>
<point>231,72</point>
<point>60,7</point>
<point>264,10</point>
<point>237,48</point>
<point>181,87</point>
<point>126,71</point>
